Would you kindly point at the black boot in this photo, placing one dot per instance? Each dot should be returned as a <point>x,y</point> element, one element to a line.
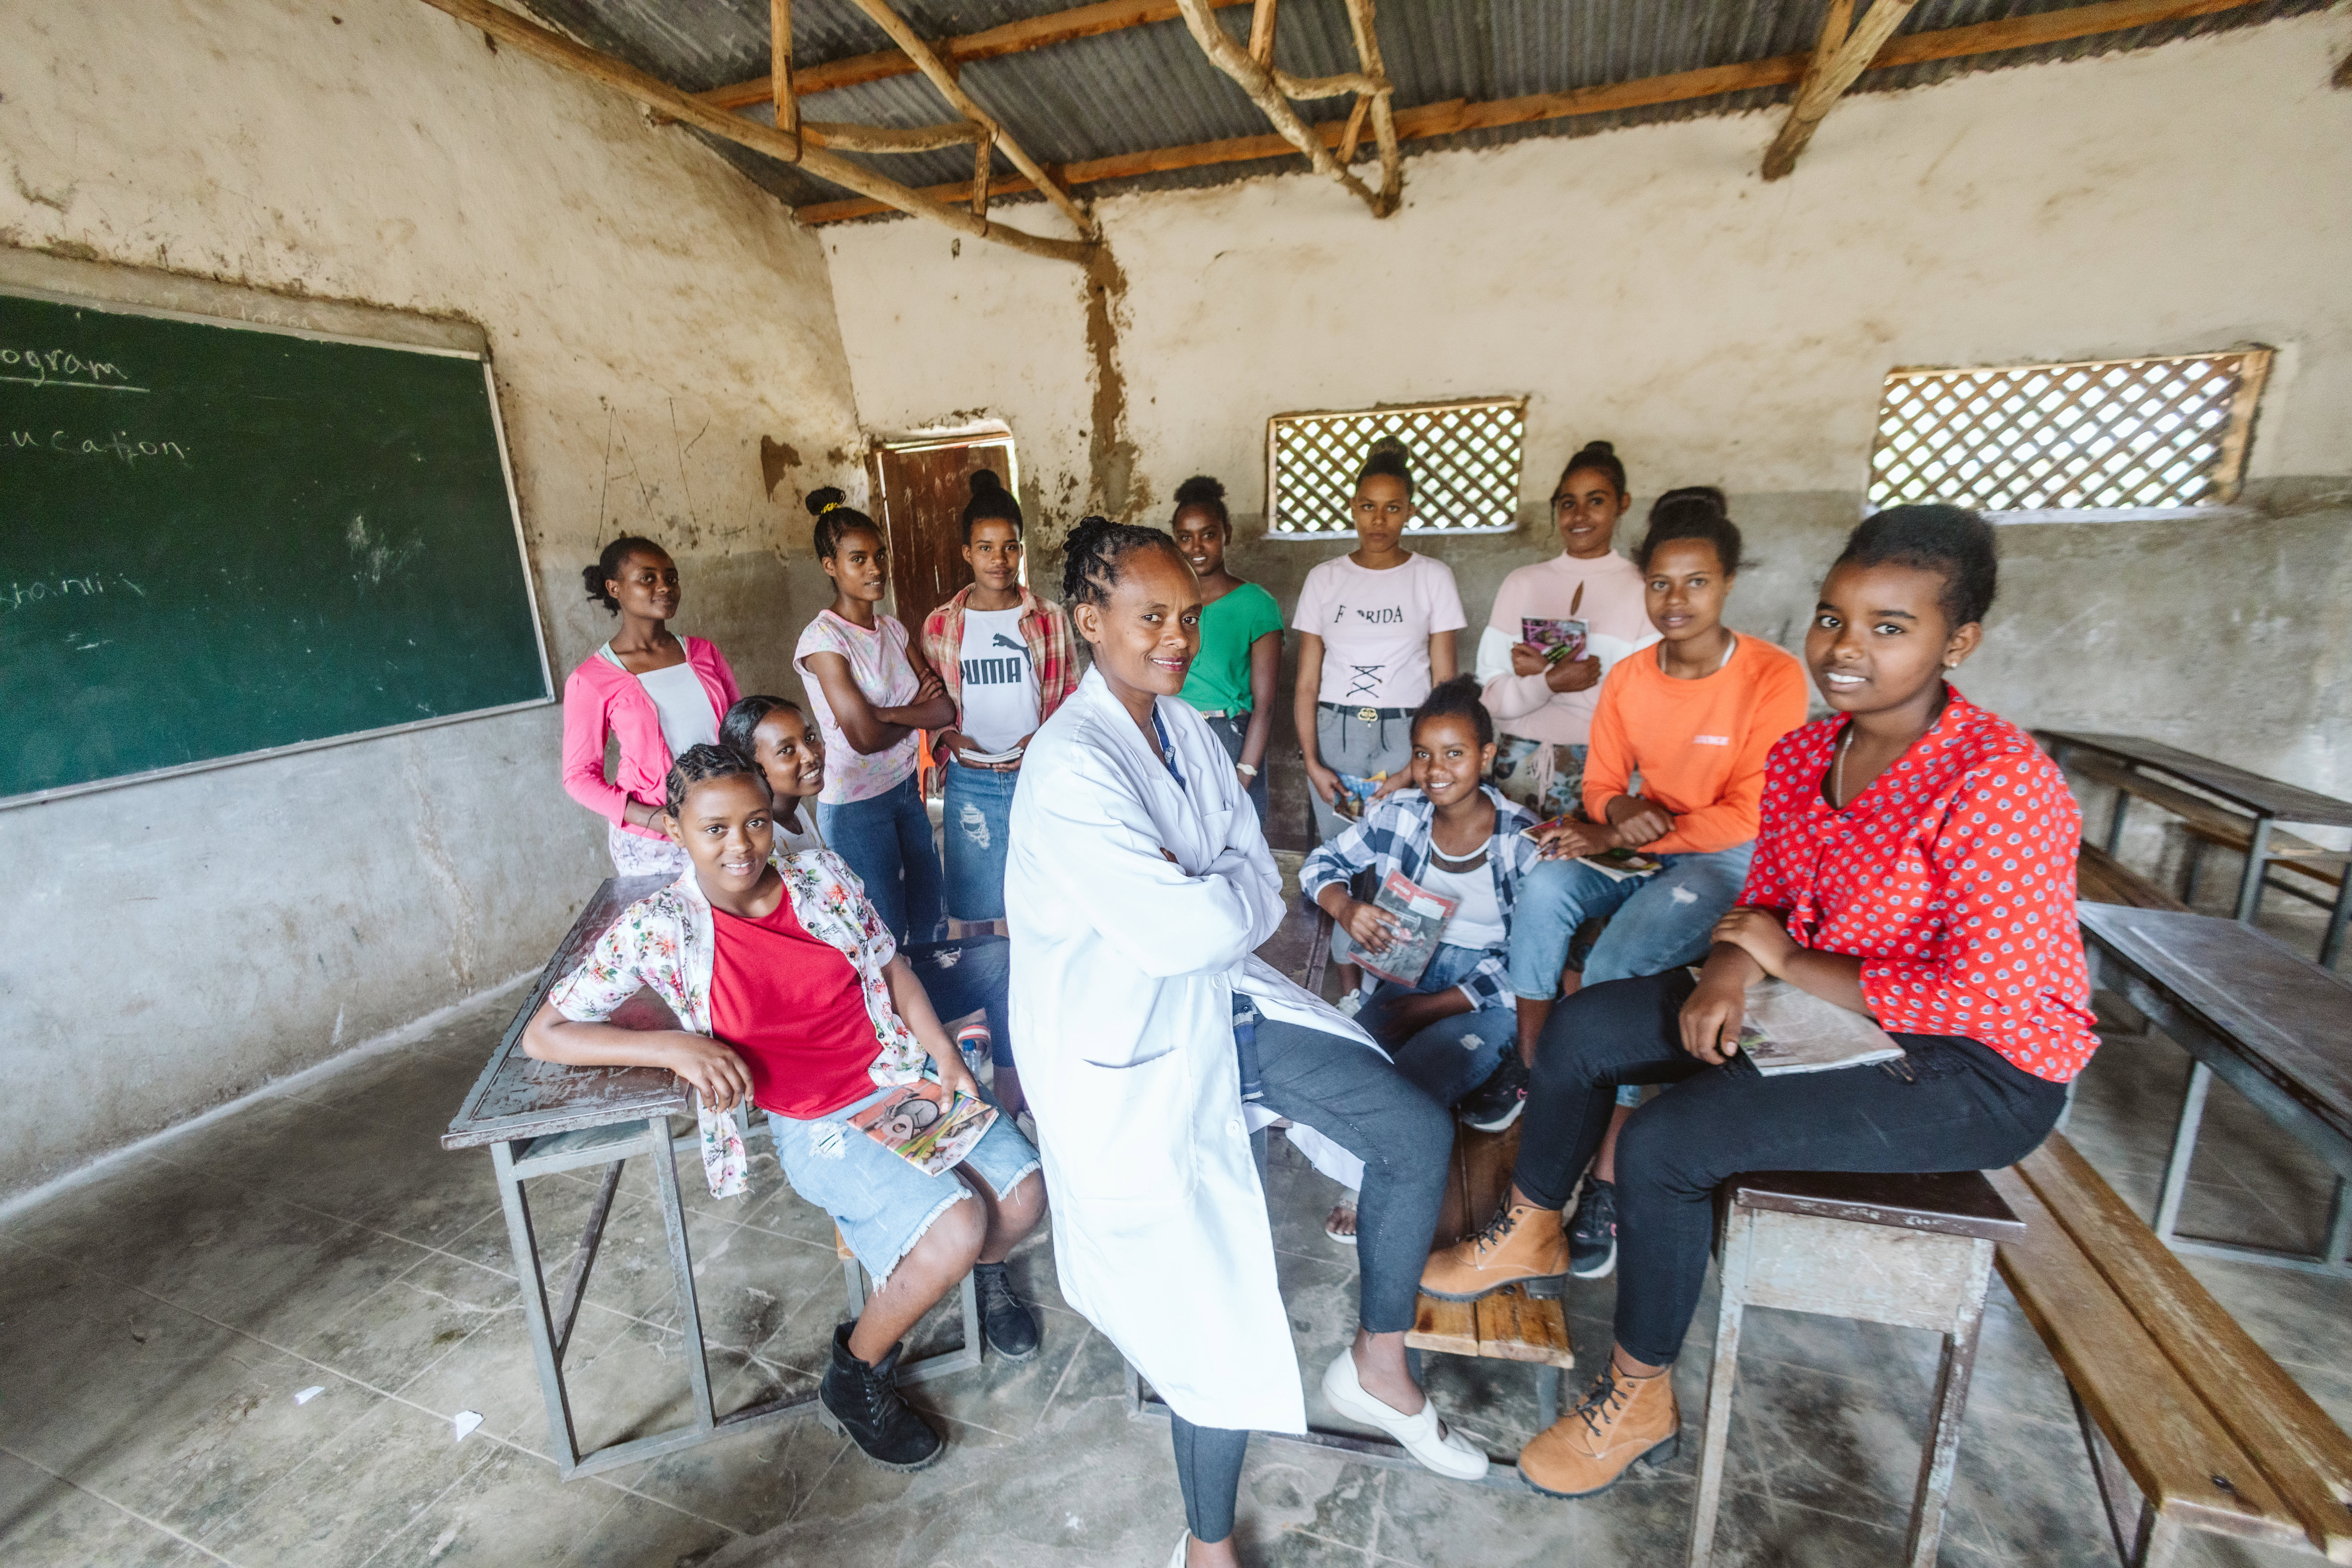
<point>1006,1321</point>
<point>862,1403</point>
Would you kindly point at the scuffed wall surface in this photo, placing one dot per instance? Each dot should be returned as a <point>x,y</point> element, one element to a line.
<point>1644,286</point>
<point>651,317</point>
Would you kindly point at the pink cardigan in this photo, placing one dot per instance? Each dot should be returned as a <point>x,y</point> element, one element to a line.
<point>601,699</point>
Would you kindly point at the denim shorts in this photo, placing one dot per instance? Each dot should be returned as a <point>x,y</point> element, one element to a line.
<point>882,1204</point>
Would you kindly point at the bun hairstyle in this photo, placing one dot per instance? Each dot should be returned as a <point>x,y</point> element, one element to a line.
<point>700,764</point>
<point>836,520</point>
<point>608,568</point>
<point>1948,539</point>
<point>1092,554</point>
<point>1600,456</point>
<point>1388,456</point>
<point>745,717</point>
<point>1206,493</point>
<point>1697,512</point>
<point>1457,698</point>
<point>990,502</point>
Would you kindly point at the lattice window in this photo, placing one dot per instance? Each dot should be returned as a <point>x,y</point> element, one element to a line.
<point>1465,466</point>
<point>2118,434</point>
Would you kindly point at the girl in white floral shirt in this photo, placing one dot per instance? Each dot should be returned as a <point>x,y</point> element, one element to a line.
<point>790,993</point>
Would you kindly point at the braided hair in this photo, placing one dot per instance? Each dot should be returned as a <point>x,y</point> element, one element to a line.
<point>1696,513</point>
<point>1092,554</point>
<point>990,502</point>
<point>1601,457</point>
<point>1948,539</point>
<point>1457,699</point>
<point>700,764</point>
<point>836,521</point>
<point>608,568</point>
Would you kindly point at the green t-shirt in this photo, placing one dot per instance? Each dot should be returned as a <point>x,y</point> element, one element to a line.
<point>1219,676</point>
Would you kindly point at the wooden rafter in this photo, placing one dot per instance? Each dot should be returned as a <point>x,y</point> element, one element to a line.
<point>1261,44</point>
<point>1271,92</point>
<point>943,77</point>
<point>890,138</point>
<point>1458,115</point>
<point>780,66</point>
<point>1844,51</point>
<point>557,50</point>
<point>1384,131</point>
<point>1013,38</point>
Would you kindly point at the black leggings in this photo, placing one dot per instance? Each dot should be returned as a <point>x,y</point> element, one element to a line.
<point>1209,1470</point>
<point>1950,1104</point>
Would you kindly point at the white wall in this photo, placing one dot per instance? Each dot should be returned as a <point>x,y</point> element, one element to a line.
<point>1643,285</point>
<point>651,316</point>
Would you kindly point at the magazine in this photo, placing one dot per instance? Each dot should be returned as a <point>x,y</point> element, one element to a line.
<point>1786,1030</point>
<point>1356,793</point>
<point>926,1125</point>
<point>1615,864</point>
<point>1557,639</point>
<point>1421,916</point>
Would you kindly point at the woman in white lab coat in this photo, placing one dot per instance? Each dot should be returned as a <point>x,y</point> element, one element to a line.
<point>1138,886</point>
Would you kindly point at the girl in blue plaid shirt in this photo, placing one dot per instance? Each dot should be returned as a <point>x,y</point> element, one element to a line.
<point>1452,1031</point>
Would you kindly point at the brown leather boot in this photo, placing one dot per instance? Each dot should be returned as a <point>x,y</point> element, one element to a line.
<point>1522,1244</point>
<point>1619,1419</point>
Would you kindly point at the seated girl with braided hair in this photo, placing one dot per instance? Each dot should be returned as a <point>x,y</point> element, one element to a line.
<point>790,993</point>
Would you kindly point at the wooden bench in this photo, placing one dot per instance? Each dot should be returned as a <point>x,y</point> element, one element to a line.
<point>1509,1325</point>
<point>2177,1404</point>
<point>2102,879</point>
<point>2207,823</point>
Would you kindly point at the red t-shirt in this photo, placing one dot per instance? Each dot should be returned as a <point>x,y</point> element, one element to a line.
<point>1951,878</point>
<point>793,1007</point>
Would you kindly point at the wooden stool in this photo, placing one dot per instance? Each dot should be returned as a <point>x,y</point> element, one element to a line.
<point>1914,1251</point>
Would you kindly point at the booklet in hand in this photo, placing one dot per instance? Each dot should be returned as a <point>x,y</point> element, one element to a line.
<point>1615,864</point>
<point>1554,639</point>
<point>926,1124</point>
<point>1786,1030</point>
<point>1421,916</point>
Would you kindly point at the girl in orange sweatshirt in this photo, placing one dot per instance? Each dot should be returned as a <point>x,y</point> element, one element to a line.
<point>1694,716</point>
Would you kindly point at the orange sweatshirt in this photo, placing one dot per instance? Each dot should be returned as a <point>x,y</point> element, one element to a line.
<point>1699,745</point>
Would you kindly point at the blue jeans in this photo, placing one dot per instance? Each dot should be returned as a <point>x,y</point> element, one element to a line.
<point>887,839</point>
<point>1656,922</point>
<point>977,826</point>
<point>1453,1056</point>
<point>968,975</point>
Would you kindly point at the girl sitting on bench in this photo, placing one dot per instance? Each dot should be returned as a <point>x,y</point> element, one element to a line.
<point>1917,863</point>
<point>790,993</point>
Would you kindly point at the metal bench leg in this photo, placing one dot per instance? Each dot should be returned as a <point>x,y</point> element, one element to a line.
<point>2258,858</point>
<point>1547,1397</point>
<point>1738,1233</point>
<point>2339,1225</point>
<point>1942,1452</point>
<point>534,1281</point>
<point>2338,914</point>
<point>2184,1150</point>
<point>2115,821</point>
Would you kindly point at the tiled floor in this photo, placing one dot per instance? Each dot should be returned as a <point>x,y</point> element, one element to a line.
<point>159,1329</point>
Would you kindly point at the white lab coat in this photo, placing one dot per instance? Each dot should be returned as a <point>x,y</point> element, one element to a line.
<point>1123,969</point>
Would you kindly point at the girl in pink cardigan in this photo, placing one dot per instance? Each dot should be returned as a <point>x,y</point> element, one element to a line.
<point>658,693</point>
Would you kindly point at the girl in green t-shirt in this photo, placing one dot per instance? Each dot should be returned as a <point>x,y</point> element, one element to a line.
<point>1232,681</point>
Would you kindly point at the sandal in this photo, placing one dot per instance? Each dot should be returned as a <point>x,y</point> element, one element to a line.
<point>1332,1225</point>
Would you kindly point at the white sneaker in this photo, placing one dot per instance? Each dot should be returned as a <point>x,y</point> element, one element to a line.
<point>1352,1003</point>
<point>1421,1434</point>
<point>1181,1541</point>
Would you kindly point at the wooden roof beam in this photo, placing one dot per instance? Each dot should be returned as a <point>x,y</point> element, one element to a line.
<point>1384,131</point>
<point>1265,89</point>
<point>1458,115</point>
<point>1842,53</point>
<point>557,50</point>
<point>943,77</point>
<point>1013,38</point>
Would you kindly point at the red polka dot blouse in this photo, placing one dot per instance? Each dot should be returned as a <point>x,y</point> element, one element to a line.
<point>1951,877</point>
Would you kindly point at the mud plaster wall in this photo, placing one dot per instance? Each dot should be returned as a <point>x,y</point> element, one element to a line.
<point>652,317</point>
<point>1644,286</point>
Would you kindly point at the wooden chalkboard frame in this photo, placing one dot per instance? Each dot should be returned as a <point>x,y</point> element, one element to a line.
<point>11,287</point>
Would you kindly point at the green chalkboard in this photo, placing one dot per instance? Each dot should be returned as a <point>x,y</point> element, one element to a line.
<point>218,540</point>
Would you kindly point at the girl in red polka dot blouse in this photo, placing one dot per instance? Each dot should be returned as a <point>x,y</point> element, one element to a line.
<point>1915,863</point>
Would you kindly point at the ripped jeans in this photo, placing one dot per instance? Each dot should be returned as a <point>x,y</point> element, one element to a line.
<point>1453,1056</point>
<point>1657,922</point>
<point>974,828</point>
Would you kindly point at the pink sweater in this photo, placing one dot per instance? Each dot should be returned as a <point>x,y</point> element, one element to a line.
<point>1617,623</point>
<point>601,699</point>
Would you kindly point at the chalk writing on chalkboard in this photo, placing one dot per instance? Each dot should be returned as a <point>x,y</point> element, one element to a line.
<point>119,444</point>
<point>62,367</point>
<point>17,594</point>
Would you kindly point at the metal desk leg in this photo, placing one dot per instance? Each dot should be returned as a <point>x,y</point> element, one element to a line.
<point>2184,1150</point>
<point>2338,914</point>
<point>1738,1231</point>
<point>2115,821</point>
<point>535,1309</point>
<point>2258,856</point>
<point>697,1361</point>
<point>2339,1227</point>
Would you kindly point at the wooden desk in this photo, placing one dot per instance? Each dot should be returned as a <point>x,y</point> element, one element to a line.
<point>2275,1027</point>
<point>2263,801</point>
<point>540,1118</point>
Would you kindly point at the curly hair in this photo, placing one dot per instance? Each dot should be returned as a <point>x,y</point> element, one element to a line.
<point>1951,540</point>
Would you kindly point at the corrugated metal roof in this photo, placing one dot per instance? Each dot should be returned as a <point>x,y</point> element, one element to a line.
<point>1151,86</point>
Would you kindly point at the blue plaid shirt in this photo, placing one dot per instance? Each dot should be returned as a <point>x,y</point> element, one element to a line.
<point>1394,836</point>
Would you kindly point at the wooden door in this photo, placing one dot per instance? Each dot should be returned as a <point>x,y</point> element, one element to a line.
<point>921,492</point>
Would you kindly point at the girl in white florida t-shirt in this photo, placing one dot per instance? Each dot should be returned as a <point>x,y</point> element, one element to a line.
<point>1376,633</point>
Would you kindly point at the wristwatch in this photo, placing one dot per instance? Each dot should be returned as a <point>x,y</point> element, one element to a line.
<point>1246,770</point>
